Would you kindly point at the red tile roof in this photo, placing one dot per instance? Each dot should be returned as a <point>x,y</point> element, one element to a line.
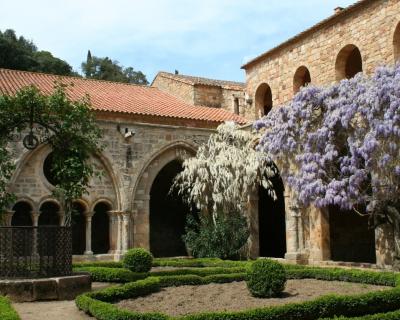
<point>115,97</point>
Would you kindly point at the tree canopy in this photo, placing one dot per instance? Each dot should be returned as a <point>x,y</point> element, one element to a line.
<point>225,171</point>
<point>21,54</point>
<point>73,137</point>
<point>107,69</point>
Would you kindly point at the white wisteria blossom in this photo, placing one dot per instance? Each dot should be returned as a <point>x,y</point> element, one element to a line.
<point>225,171</point>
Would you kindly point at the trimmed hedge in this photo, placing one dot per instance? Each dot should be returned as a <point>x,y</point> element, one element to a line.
<point>395,315</point>
<point>7,312</point>
<point>118,275</point>
<point>200,262</point>
<point>104,264</point>
<point>138,260</point>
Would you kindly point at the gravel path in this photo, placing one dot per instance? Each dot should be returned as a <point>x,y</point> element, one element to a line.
<point>54,310</point>
<point>235,296</point>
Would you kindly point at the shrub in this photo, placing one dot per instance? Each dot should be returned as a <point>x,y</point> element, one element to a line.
<point>102,274</point>
<point>138,260</point>
<point>222,239</point>
<point>6,310</point>
<point>266,278</point>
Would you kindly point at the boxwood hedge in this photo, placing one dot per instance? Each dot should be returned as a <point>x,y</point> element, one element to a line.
<point>7,312</point>
<point>99,304</point>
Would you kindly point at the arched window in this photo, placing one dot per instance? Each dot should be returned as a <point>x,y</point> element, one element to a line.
<point>301,78</point>
<point>348,62</point>
<point>22,214</point>
<point>263,99</point>
<point>396,43</point>
<point>49,214</point>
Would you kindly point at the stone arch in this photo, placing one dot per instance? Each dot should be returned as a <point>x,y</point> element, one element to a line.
<point>108,201</point>
<point>142,188</point>
<point>348,62</point>
<point>100,234</point>
<point>22,213</point>
<point>301,78</point>
<point>263,99</point>
<point>49,213</point>
<point>79,226</point>
<point>396,43</point>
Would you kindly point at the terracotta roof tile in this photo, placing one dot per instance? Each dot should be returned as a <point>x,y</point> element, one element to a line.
<point>233,85</point>
<point>115,97</point>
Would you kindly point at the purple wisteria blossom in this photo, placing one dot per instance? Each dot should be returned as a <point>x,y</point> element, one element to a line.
<point>339,145</point>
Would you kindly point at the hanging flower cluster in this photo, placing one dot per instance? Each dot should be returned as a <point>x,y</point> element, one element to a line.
<point>225,171</point>
<point>339,145</point>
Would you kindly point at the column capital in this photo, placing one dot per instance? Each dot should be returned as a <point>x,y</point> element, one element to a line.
<point>88,214</point>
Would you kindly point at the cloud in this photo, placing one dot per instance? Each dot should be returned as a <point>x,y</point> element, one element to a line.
<point>155,35</point>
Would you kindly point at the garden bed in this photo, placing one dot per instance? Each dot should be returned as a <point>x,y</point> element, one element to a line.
<point>183,300</point>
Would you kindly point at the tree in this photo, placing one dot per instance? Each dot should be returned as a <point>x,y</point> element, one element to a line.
<point>22,54</point>
<point>340,146</point>
<point>225,171</point>
<point>73,136</point>
<point>107,69</point>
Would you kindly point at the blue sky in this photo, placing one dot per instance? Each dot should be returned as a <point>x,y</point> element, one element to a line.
<point>209,38</point>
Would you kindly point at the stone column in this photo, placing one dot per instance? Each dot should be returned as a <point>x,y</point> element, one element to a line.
<point>88,218</point>
<point>254,238</point>
<point>61,218</point>
<point>113,231</point>
<point>35,222</point>
<point>384,246</point>
<point>125,232</point>
<point>319,235</point>
<point>35,218</point>
<point>7,218</point>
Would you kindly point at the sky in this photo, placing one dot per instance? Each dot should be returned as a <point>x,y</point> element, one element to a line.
<point>207,38</point>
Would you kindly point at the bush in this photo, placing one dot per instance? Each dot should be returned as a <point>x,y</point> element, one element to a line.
<point>266,278</point>
<point>6,310</point>
<point>138,260</point>
<point>120,275</point>
<point>222,240</point>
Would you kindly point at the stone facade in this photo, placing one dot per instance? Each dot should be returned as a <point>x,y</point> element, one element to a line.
<point>206,92</point>
<point>358,38</point>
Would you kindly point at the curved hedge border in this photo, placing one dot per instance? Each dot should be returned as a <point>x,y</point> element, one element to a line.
<point>98,303</point>
<point>7,312</point>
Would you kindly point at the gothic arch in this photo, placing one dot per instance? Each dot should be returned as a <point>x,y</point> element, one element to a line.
<point>263,100</point>
<point>301,78</point>
<point>348,62</point>
<point>142,188</point>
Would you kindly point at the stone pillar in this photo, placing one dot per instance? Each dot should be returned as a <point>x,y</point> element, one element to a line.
<point>61,218</point>
<point>254,239</point>
<point>384,246</point>
<point>88,218</point>
<point>7,218</point>
<point>113,231</point>
<point>319,235</point>
<point>125,232</point>
<point>35,218</point>
<point>141,237</point>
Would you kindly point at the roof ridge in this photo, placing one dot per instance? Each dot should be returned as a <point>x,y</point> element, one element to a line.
<point>75,77</point>
<point>198,77</point>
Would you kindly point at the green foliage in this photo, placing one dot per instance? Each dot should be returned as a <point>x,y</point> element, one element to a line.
<point>104,264</point>
<point>266,278</point>
<point>21,54</point>
<point>219,238</point>
<point>194,262</point>
<point>138,260</point>
<point>74,136</point>
<point>118,275</point>
<point>107,69</point>
<point>7,312</point>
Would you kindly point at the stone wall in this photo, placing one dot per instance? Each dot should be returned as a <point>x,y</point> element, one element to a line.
<point>179,89</point>
<point>371,28</point>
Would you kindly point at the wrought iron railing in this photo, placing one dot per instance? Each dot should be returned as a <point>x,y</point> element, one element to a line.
<point>35,252</point>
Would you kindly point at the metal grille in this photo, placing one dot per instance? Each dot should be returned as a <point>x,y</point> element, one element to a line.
<point>35,252</point>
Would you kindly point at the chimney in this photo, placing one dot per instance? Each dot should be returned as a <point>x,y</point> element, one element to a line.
<point>338,10</point>
<point>176,72</point>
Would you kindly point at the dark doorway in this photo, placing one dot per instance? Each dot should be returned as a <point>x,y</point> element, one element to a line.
<point>271,217</point>
<point>78,229</point>
<point>101,229</point>
<point>22,214</point>
<point>351,239</point>
<point>167,215</point>
<point>49,214</point>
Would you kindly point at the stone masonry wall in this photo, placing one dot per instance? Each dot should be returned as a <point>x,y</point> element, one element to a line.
<point>178,89</point>
<point>371,29</point>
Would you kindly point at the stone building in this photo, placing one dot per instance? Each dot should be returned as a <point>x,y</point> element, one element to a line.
<point>228,95</point>
<point>355,39</point>
<point>146,132</point>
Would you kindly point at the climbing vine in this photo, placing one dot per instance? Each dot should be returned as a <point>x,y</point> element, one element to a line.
<point>70,129</point>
